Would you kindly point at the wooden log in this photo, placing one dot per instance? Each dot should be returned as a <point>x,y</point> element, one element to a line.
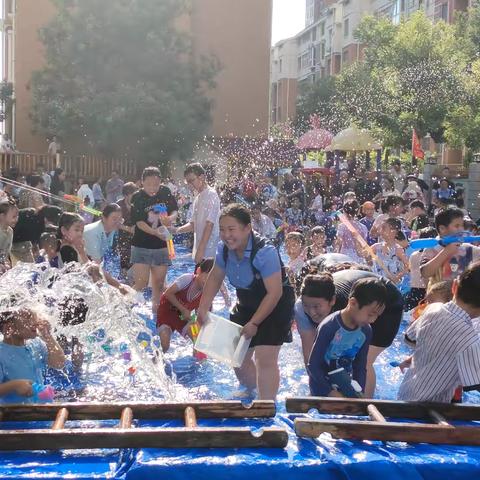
<point>60,419</point>
<point>272,437</point>
<point>375,414</point>
<point>143,410</point>
<point>389,408</point>
<point>390,431</point>
<point>190,418</point>
<point>438,419</point>
<point>126,418</point>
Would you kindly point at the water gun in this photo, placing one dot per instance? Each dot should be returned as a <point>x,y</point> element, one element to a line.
<point>162,210</point>
<point>462,237</point>
<point>42,393</point>
<point>194,331</point>
<point>349,388</point>
<point>82,206</point>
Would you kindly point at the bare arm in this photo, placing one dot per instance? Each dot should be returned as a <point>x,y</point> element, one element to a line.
<point>56,356</point>
<point>214,282</point>
<point>170,294</point>
<point>188,227</point>
<point>431,267</point>
<point>207,232</point>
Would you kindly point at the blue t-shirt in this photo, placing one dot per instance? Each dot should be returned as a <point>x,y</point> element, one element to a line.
<point>337,346</point>
<point>22,363</point>
<point>239,272</point>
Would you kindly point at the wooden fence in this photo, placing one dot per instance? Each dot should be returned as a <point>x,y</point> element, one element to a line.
<point>87,166</point>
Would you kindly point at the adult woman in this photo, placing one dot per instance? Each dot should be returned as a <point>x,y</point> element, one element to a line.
<point>265,298</point>
<point>31,198</point>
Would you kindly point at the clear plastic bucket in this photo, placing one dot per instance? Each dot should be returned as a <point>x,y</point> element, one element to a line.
<point>220,338</point>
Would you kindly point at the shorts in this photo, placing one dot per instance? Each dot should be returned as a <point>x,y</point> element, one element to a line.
<point>155,257</point>
<point>385,328</point>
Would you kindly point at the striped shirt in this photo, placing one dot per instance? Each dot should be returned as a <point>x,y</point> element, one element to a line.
<point>447,355</point>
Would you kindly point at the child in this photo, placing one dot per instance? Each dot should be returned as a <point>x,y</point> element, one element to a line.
<point>71,247</point>
<point>343,338</point>
<point>28,347</point>
<point>444,192</point>
<point>316,302</point>
<point>346,242</point>
<point>179,301</point>
<point>447,263</point>
<point>294,215</point>
<point>8,219</point>
<point>447,352</point>
<point>417,282</point>
<point>294,243</point>
<point>417,216</point>
<point>48,249</point>
<point>317,246</point>
<point>392,207</point>
<point>368,211</point>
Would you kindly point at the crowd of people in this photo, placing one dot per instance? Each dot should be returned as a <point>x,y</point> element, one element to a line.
<point>331,259</point>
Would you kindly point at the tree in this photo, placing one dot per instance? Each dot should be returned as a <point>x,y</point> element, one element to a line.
<point>121,75</point>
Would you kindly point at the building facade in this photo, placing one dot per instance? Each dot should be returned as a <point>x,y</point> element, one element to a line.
<point>237,33</point>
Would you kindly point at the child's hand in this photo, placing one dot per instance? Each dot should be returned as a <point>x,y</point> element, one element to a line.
<point>43,327</point>
<point>22,387</point>
<point>407,363</point>
<point>186,315</point>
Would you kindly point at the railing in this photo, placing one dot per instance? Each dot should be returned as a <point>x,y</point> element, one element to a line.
<point>87,166</point>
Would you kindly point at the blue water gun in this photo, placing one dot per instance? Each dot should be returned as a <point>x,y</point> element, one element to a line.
<point>462,237</point>
<point>342,380</point>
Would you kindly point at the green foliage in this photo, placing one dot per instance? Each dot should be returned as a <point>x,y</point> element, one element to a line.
<point>120,75</point>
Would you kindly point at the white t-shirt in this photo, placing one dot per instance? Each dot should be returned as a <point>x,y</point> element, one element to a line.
<point>206,208</point>
<point>264,227</point>
<point>97,242</point>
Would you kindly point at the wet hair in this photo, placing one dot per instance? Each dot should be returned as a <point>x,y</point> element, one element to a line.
<point>394,223</point>
<point>443,288</point>
<point>129,188</point>
<point>469,285</point>
<point>48,238</point>
<point>110,208</point>
<point>238,212</point>
<point>194,168</point>
<point>151,172</point>
<point>318,230</point>
<point>391,201</point>
<point>52,213</point>
<point>351,207</point>
<point>400,236</point>
<point>339,267</point>
<point>35,180</point>
<point>6,206</point>
<point>73,310</point>
<point>206,265</point>
<point>427,232</point>
<point>67,219</point>
<point>445,217</point>
<point>318,286</point>
<point>296,236</point>
<point>369,290</point>
<point>417,204</point>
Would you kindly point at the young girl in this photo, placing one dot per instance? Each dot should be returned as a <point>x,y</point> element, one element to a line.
<point>294,243</point>
<point>346,242</point>
<point>70,234</point>
<point>8,219</point>
<point>179,301</point>
<point>390,253</point>
<point>317,247</point>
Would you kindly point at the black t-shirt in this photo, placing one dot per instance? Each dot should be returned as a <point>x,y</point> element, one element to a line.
<point>29,226</point>
<point>142,211</point>
<point>68,254</point>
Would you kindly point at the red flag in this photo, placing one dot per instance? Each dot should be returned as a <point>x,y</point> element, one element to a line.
<point>417,151</point>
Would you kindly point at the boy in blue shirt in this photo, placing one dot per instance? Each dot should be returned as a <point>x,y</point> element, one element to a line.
<point>28,347</point>
<point>343,338</point>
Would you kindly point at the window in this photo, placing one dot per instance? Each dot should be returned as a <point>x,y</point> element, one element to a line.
<point>310,12</point>
<point>346,28</point>
<point>314,34</point>
<point>280,66</point>
<point>444,12</point>
<point>299,63</point>
<point>345,56</point>
<point>322,50</point>
<point>322,29</point>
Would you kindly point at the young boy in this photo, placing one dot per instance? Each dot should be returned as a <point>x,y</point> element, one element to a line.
<point>28,347</point>
<point>447,352</point>
<point>149,247</point>
<point>417,216</point>
<point>316,302</point>
<point>447,263</point>
<point>343,338</point>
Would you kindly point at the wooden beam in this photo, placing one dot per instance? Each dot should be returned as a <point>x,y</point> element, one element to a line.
<point>375,414</point>
<point>438,419</point>
<point>272,437</point>
<point>126,418</point>
<point>358,406</point>
<point>60,419</point>
<point>391,431</point>
<point>141,410</point>
<point>190,418</point>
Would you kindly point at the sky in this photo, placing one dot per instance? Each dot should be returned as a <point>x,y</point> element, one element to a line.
<point>288,18</point>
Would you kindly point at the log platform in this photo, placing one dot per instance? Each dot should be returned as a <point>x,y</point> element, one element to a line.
<point>128,435</point>
<point>377,427</point>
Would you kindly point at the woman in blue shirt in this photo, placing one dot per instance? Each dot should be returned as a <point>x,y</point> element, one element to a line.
<point>265,298</point>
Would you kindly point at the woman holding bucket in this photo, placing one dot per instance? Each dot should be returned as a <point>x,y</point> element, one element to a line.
<point>265,298</point>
